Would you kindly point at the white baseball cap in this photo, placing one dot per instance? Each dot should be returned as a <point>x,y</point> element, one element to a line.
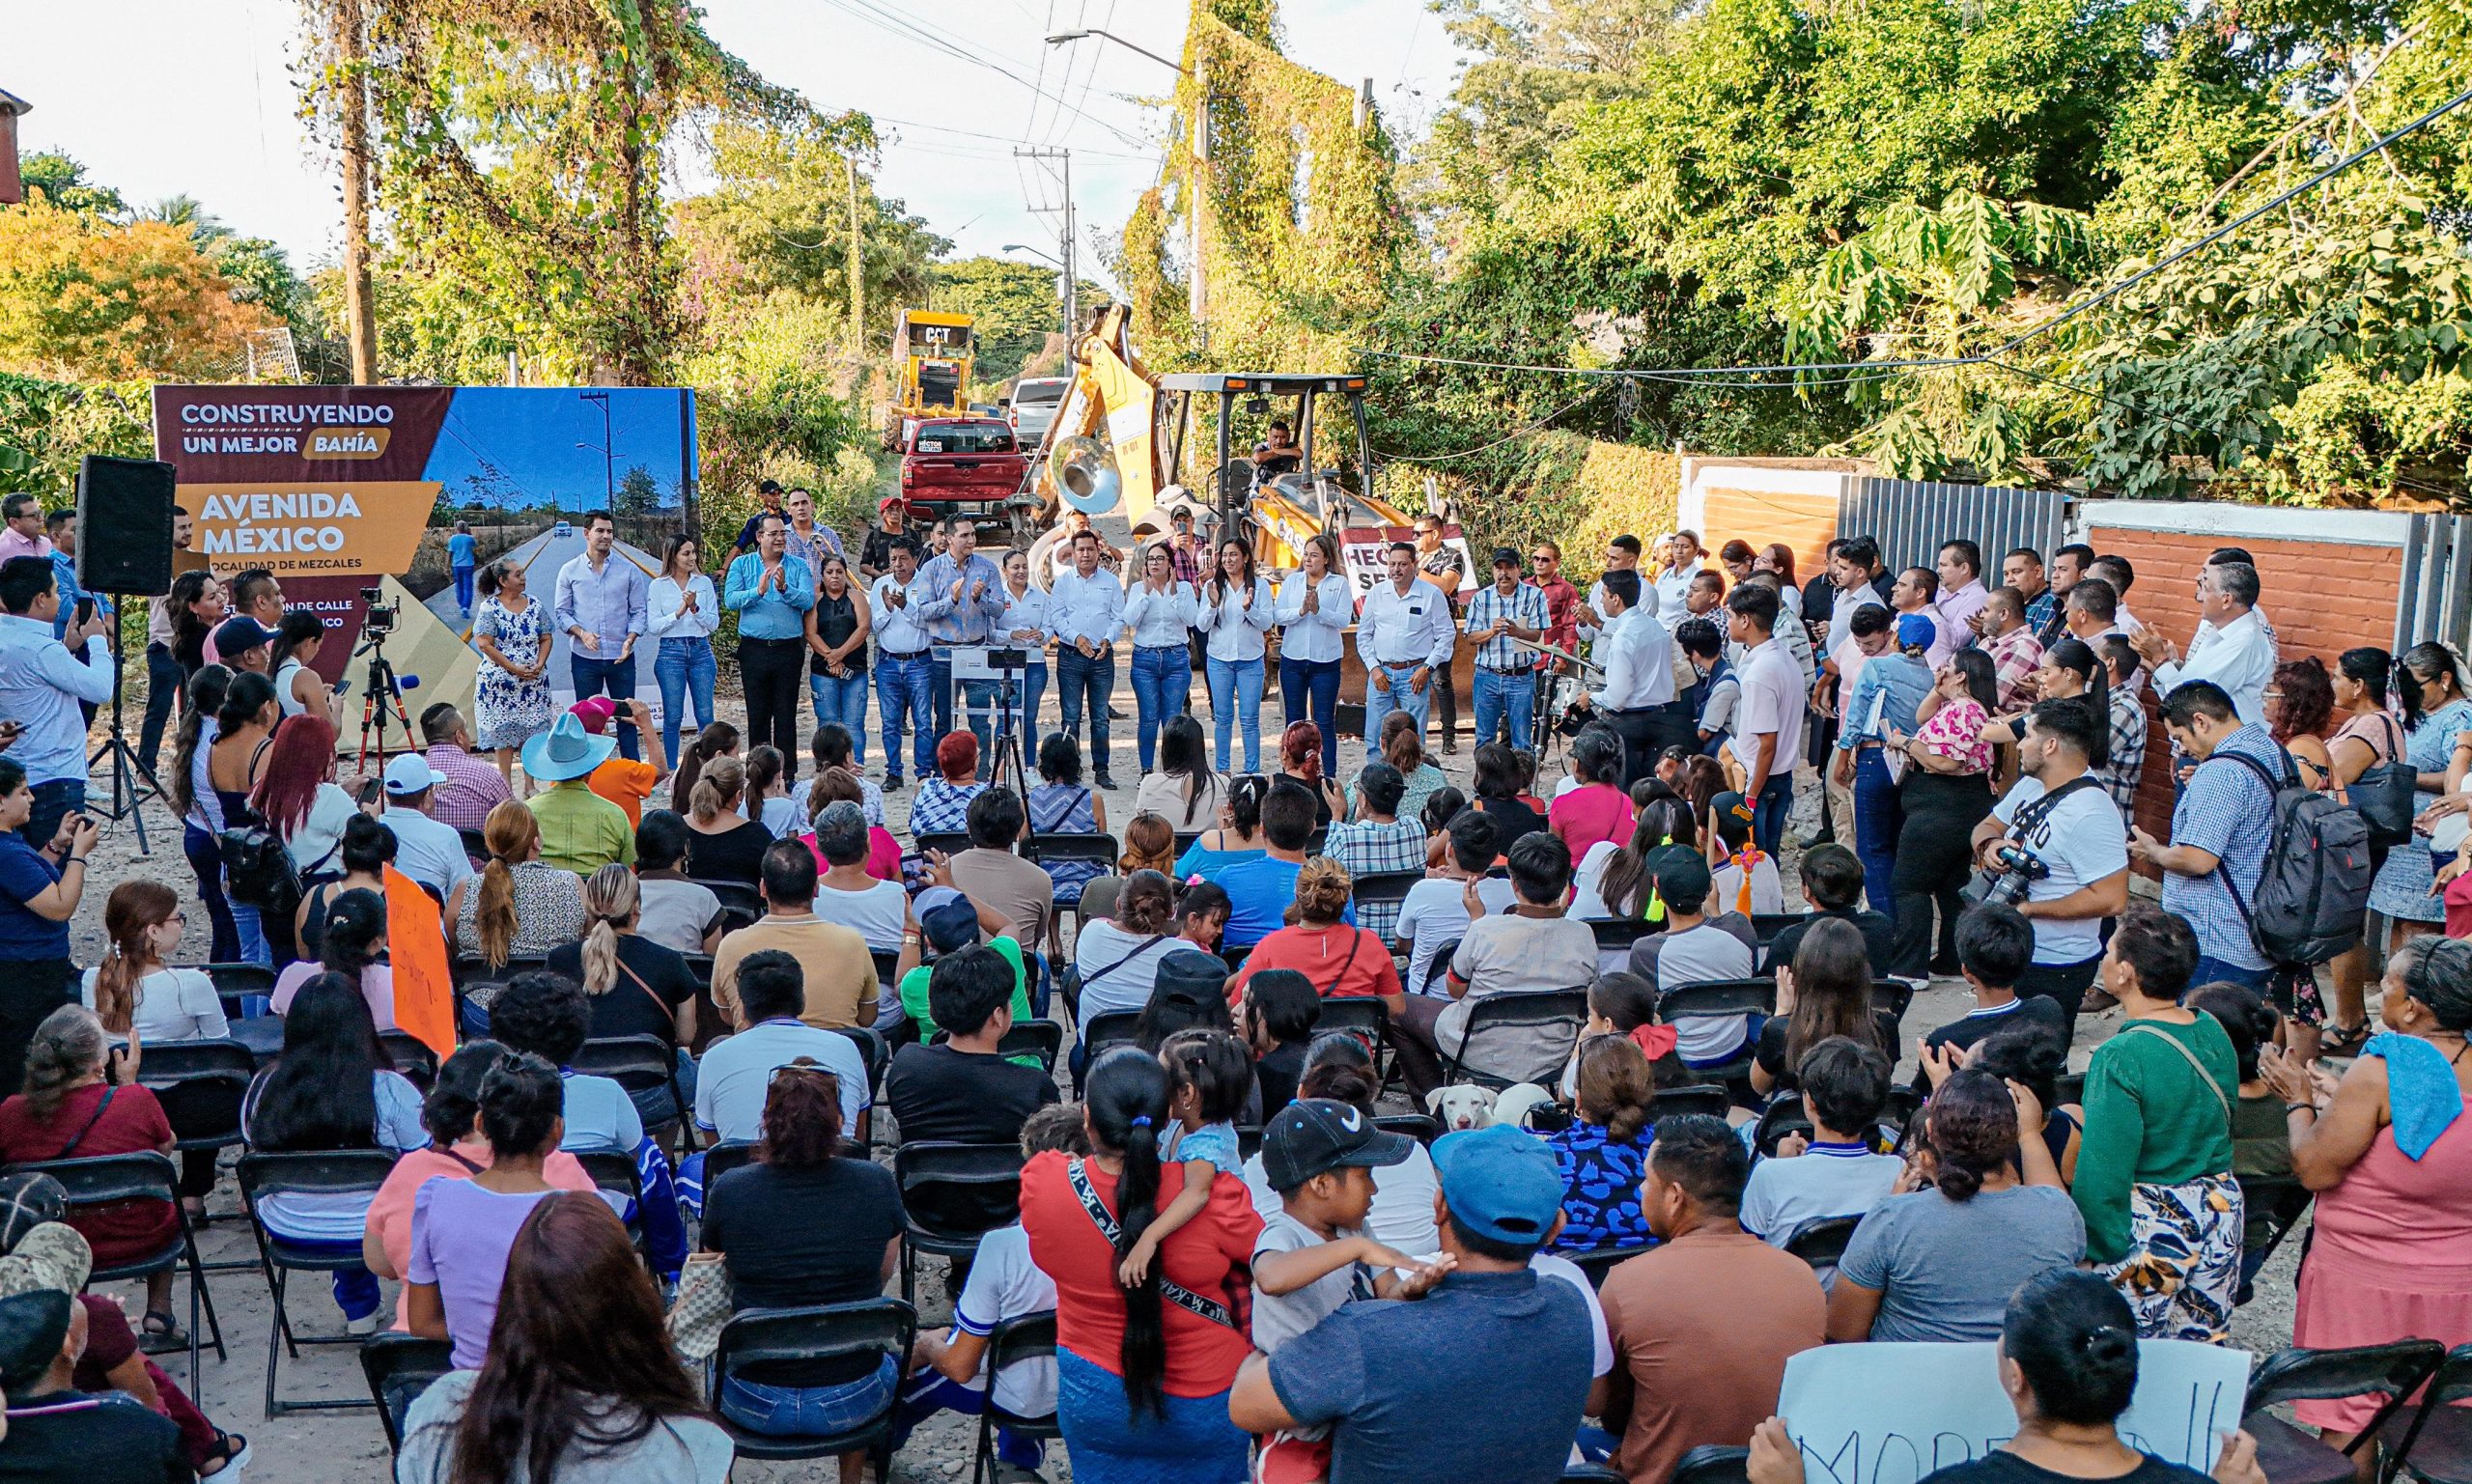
<point>410,773</point>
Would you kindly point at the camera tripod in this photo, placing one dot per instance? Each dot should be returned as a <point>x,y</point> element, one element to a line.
<point>131,781</point>
<point>380,695</point>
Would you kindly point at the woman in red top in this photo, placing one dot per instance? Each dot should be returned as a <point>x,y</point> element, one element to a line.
<point>70,1110</point>
<point>1143,1374</point>
<point>1598,809</point>
<point>1344,961</point>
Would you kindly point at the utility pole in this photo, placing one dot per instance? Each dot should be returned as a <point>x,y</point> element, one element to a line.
<point>351,100</point>
<point>1196,186</point>
<point>857,264</point>
<point>1066,291</point>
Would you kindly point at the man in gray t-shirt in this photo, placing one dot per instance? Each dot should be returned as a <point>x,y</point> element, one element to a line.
<point>1928,1268</point>
<point>1695,950</point>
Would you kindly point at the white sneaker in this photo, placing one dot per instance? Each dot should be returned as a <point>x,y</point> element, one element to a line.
<point>365,1325</point>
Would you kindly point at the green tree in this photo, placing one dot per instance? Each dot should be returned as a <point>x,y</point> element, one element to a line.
<point>1015,305</point>
<point>638,492</point>
<point>62,180</point>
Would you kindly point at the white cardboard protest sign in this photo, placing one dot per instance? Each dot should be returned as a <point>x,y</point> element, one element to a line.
<point>1890,1414</point>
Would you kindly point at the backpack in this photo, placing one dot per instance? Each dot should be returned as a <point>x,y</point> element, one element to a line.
<point>2313,893</point>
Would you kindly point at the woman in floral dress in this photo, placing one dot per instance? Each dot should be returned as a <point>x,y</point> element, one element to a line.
<point>512,632</point>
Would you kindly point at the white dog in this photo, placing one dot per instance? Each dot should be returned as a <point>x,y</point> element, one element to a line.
<point>1476,1107</point>
<point>1461,1107</point>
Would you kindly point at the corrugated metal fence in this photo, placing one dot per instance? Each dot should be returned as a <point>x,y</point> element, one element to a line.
<point>2434,600</point>
<point>1910,518</point>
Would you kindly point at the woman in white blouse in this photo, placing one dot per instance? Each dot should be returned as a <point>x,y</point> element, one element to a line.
<point>1238,607</point>
<point>682,611</point>
<point>133,991</point>
<point>1159,613</point>
<point>1023,625</point>
<point>1315,607</point>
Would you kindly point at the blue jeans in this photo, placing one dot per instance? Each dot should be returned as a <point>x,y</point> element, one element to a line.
<point>1316,680</point>
<point>806,1411</point>
<point>843,701</point>
<point>1236,693</point>
<point>617,677</point>
<point>928,1393</point>
<point>1030,689</point>
<point>1108,1439</point>
<point>2210,969</point>
<point>1877,818</point>
<point>684,668</point>
<point>205,858</point>
<point>1079,678</point>
<point>463,587</point>
<point>1379,703</point>
<point>54,802</point>
<point>355,1288</point>
<point>1163,677</point>
<point>1500,692</point>
<point>1768,813</point>
<point>902,687</point>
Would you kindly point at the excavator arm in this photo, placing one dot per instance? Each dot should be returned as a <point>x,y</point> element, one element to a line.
<point>1113,399</point>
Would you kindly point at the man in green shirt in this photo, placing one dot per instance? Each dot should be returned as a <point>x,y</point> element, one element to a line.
<point>580,831</point>
<point>945,921</point>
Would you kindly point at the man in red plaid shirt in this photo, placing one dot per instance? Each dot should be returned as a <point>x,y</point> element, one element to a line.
<point>2009,641</point>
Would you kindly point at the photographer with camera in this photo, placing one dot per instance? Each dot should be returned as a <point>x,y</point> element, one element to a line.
<point>2054,848</point>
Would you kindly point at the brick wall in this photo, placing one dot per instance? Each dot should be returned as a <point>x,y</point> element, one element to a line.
<point>1806,523</point>
<point>2323,597</point>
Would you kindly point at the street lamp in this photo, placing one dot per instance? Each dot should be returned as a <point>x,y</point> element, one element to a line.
<point>1025,247</point>
<point>1062,37</point>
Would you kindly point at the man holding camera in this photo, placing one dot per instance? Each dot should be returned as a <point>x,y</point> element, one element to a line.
<point>2054,841</point>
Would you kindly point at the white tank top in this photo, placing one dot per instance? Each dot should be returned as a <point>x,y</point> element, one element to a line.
<point>283,679</point>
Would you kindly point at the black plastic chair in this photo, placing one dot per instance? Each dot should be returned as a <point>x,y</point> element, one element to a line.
<point>234,980</point>
<point>1556,1010</point>
<point>202,1085</point>
<point>1015,1340</point>
<point>476,845</point>
<point>944,842</point>
<point>1234,958</point>
<point>700,965</point>
<point>1051,849</point>
<point>1616,934</point>
<point>323,1172</point>
<point>413,1058</point>
<point>874,1054</point>
<point>741,906</point>
<point>1822,1242</point>
<point>822,1331</point>
<point>2281,1202</point>
<point>1692,1098</point>
<point>639,1064</point>
<point>1591,1473</point>
<point>1765,926</point>
<point>1783,1115</point>
<point>1186,840</point>
<point>1891,995</point>
<point>2289,1456</point>
<point>2070,1087</point>
<point>941,1180</point>
<point>1043,1039</point>
<point>615,1174</point>
<point>721,1158</point>
<point>1360,1015</point>
<point>1101,1032</point>
<point>399,1369</point>
<point>2435,1445</point>
<point>1437,967</point>
<point>888,962</point>
<point>471,976</point>
<point>109,1180</point>
<point>1736,998</point>
<point>1710,1464</point>
<point>1378,896</point>
<point>1420,1127</point>
<point>1597,1262</point>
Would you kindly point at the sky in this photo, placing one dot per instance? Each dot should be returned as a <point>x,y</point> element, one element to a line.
<point>195,97</point>
<point>547,442</point>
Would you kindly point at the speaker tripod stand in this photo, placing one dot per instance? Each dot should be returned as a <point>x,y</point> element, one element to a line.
<point>380,697</point>
<point>129,787</point>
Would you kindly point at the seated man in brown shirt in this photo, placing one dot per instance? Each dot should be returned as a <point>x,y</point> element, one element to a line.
<point>839,972</point>
<point>1703,1323</point>
<point>992,876</point>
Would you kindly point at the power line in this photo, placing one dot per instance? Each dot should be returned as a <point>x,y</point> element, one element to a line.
<point>893,22</point>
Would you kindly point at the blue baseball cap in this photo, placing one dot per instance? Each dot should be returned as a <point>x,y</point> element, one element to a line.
<point>1501,1183</point>
<point>1916,630</point>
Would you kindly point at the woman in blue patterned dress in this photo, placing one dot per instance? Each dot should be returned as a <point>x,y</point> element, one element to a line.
<point>2430,684</point>
<point>1061,803</point>
<point>1603,1155</point>
<point>512,633</point>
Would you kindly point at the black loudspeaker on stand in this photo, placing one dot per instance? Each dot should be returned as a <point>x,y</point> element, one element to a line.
<point>123,551</point>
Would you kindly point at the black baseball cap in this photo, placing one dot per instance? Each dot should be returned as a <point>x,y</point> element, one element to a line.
<point>1315,1136</point>
<point>1505,556</point>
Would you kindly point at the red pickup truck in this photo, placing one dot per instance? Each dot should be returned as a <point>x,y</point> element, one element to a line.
<point>972,465</point>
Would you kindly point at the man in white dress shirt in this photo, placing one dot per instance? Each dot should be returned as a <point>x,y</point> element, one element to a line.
<point>1767,741</point>
<point>1404,637</point>
<point>1637,698</point>
<point>1622,554</point>
<point>905,669</point>
<point>2240,656</point>
<point>1085,614</point>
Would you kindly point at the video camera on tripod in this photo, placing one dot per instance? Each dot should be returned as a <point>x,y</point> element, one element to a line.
<point>380,619</point>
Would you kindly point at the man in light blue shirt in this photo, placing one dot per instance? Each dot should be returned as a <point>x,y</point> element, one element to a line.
<point>965,597</point>
<point>41,684</point>
<point>428,851</point>
<point>1505,674</point>
<point>772,592</point>
<point>1404,637</point>
<point>905,673</point>
<point>464,558</point>
<point>2221,829</point>
<point>1885,694</point>
<point>1085,613</point>
<point>61,525</point>
<point>600,607</point>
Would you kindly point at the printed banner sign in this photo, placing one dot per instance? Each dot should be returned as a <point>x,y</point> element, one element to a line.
<point>1890,1414</point>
